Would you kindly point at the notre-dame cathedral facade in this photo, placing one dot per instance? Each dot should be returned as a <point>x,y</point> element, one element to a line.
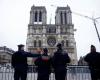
<point>41,35</point>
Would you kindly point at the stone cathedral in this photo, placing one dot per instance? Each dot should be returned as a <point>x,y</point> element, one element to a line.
<point>41,35</point>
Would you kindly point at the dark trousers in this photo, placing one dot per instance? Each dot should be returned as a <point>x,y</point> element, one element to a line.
<point>95,75</point>
<point>60,75</point>
<point>20,74</point>
<point>42,76</point>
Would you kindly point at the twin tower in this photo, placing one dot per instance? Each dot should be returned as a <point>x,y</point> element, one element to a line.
<point>38,15</point>
<point>41,35</point>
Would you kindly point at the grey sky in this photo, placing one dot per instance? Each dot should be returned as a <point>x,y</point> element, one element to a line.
<point>14,18</point>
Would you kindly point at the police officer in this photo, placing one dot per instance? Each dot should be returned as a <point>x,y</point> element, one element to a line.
<point>43,64</point>
<point>93,60</point>
<point>19,62</point>
<point>59,63</point>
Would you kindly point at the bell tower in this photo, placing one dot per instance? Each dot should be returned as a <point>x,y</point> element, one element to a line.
<point>63,20</point>
<point>38,18</point>
<point>38,15</point>
<point>63,16</point>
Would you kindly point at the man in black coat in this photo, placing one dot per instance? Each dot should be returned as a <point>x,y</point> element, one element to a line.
<point>93,60</point>
<point>19,63</point>
<point>43,64</point>
<point>59,63</point>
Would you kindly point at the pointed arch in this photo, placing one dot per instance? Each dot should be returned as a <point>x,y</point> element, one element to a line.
<point>36,16</point>
<point>40,43</point>
<point>40,16</point>
<point>35,43</point>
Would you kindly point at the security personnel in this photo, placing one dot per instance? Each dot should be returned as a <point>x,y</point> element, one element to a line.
<point>93,60</point>
<point>19,62</point>
<point>59,63</point>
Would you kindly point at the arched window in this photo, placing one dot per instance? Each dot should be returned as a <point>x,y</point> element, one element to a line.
<point>67,43</point>
<point>61,17</point>
<point>51,30</point>
<point>35,43</point>
<point>39,43</point>
<point>65,18</point>
<point>36,16</point>
<point>62,42</point>
<point>40,16</point>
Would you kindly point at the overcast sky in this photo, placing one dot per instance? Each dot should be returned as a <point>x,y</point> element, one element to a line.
<point>14,19</point>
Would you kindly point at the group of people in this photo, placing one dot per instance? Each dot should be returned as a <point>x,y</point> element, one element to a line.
<point>44,62</point>
<point>58,62</point>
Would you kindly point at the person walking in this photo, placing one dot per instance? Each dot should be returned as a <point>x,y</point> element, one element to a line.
<point>93,60</point>
<point>43,64</point>
<point>59,62</point>
<point>19,62</point>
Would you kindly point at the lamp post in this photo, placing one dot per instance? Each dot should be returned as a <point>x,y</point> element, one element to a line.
<point>94,22</point>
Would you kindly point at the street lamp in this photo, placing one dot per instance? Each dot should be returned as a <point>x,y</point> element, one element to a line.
<point>94,22</point>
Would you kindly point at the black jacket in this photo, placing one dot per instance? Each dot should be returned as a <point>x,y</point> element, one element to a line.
<point>60,60</point>
<point>19,59</point>
<point>43,66</point>
<point>93,60</point>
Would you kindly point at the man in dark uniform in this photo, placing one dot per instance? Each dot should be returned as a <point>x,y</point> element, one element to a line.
<point>19,63</point>
<point>59,63</point>
<point>43,64</point>
<point>93,60</point>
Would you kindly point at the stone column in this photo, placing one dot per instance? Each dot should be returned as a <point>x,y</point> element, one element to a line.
<point>44,18</point>
<point>31,17</point>
<point>63,18</point>
<point>58,19</point>
<point>70,18</point>
<point>38,16</point>
<point>43,37</point>
<point>67,18</point>
<point>59,34</point>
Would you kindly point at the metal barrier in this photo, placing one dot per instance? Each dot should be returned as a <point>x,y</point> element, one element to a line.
<point>78,73</point>
<point>73,73</point>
